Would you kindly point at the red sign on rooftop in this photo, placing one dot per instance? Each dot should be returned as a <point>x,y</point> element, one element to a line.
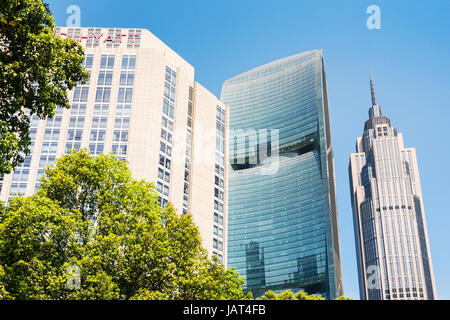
<point>99,37</point>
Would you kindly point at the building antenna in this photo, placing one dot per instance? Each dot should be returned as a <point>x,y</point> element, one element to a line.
<point>372,90</point>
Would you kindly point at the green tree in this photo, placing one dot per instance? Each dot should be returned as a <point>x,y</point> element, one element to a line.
<point>90,213</point>
<point>37,69</point>
<point>289,295</point>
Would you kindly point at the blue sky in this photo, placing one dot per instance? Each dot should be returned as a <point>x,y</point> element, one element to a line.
<point>408,58</point>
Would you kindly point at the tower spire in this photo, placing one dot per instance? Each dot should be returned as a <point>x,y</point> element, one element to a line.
<point>372,91</point>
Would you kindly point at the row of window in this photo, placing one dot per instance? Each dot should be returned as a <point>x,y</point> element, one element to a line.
<point>123,107</point>
<point>188,152</point>
<point>165,148</point>
<point>219,185</point>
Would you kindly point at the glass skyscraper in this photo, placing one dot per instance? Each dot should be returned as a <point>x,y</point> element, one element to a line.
<point>394,261</point>
<point>282,217</point>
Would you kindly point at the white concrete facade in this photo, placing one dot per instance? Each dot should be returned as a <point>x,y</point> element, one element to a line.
<point>142,104</point>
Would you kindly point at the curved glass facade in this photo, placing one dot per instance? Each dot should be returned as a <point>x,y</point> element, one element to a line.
<point>282,223</point>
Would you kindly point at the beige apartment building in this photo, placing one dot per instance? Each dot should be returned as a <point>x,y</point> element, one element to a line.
<point>143,105</point>
<point>393,252</point>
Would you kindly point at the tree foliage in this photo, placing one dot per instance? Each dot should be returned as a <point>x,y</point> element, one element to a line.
<point>289,295</point>
<point>90,213</point>
<point>37,68</point>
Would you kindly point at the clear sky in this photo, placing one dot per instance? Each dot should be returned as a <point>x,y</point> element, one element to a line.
<point>409,58</point>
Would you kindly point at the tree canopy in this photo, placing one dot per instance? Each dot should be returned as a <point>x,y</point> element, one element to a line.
<point>289,295</point>
<point>91,231</point>
<point>91,220</point>
<point>37,69</point>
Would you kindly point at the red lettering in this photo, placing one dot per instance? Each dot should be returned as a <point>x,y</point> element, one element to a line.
<point>133,37</point>
<point>61,34</point>
<point>108,38</point>
<point>84,37</point>
<point>97,38</point>
<point>121,36</point>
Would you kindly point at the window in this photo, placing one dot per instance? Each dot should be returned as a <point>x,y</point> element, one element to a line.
<point>49,148</point>
<point>87,62</point>
<point>166,176</point>
<point>97,135</point>
<point>107,61</point>
<point>99,122</point>
<point>78,109</point>
<point>53,134</point>
<point>104,78</point>
<point>18,189</point>
<point>96,149</point>
<point>122,123</point>
<point>103,94</point>
<point>123,110</point>
<point>74,122</point>
<point>119,150</point>
<point>54,122</point>
<point>74,135</point>
<point>80,94</point>
<point>160,173</point>
<point>120,136</point>
<point>220,114</point>
<point>125,95</point>
<point>20,175</point>
<point>190,108</point>
<point>128,62</point>
<point>126,78</point>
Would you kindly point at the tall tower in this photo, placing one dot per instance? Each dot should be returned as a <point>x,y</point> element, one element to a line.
<point>283,231</point>
<point>393,253</point>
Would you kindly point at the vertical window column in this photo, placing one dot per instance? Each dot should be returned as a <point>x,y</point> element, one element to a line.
<point>49,144</point>
<point>123,107</point>
<point>22,172</point>
<point>102,98</point>
<point>187,166</point>
<point>78,110</point>
<point>165,148</point>
<point>75,128</point>
<point>219,184</point>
